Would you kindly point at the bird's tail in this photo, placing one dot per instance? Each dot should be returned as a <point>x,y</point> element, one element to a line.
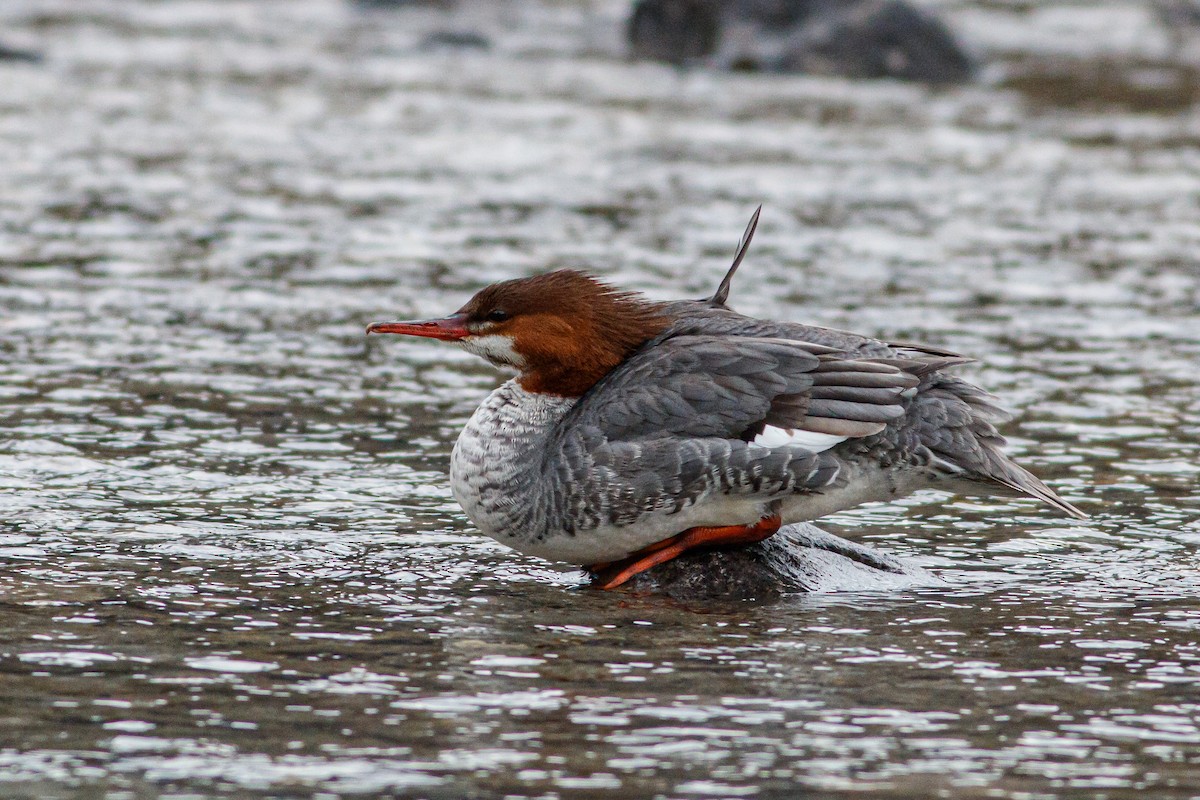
<point>1004,471</point>
<point>956,421</point>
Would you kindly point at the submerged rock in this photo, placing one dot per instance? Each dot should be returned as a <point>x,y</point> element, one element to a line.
<point>800,558</point>
<point>852,38</point>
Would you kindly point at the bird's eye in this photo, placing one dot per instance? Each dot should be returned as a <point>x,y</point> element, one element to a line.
<point>496,315</point>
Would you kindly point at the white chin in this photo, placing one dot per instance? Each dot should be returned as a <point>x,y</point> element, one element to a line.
<point>496,349</point>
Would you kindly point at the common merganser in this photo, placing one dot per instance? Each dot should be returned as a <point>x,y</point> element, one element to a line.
<point>637,430</point>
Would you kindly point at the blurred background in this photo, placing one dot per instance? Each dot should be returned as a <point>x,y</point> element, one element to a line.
<point>231,562</point>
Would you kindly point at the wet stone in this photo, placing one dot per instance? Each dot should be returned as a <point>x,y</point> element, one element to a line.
<point>799,558</point>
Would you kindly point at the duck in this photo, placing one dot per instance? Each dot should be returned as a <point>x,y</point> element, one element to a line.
<point>636,430</point>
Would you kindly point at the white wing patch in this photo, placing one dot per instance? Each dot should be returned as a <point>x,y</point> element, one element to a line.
<point>784,437</point>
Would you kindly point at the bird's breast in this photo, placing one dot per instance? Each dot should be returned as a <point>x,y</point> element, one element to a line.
<point>497,462</point>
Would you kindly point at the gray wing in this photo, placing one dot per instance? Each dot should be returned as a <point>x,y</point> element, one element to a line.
<point>676,422</point>
<point>949,424</point>
<point>732,387</point>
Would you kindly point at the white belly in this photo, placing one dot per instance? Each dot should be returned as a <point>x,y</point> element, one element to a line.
<point>613,542</point>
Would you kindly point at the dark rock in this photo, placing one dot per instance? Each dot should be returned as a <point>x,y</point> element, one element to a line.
<point>853,38</point>
<point>676,31</point>
<point>456,40</point>
<point>879,40</point>
<point>402,3</point>
<point>1178,13</point>
<point>16,54</point>
<point>800,558</point>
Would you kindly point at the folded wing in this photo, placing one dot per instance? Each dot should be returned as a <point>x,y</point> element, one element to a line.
<point>767,391</point>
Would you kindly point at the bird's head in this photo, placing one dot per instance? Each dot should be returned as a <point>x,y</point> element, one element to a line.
<point>562,331</point>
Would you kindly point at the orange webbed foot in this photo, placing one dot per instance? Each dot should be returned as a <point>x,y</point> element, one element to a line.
<point>612,574</point>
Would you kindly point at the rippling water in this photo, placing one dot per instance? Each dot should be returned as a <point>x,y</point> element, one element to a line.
<point>231,563</point>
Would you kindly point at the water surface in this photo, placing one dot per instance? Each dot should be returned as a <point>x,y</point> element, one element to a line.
<point>231,562</point>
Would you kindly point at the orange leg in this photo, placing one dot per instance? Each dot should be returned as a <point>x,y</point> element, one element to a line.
<point>612,574</point>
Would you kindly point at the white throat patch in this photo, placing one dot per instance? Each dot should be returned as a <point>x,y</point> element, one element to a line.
<point>495,348</point>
